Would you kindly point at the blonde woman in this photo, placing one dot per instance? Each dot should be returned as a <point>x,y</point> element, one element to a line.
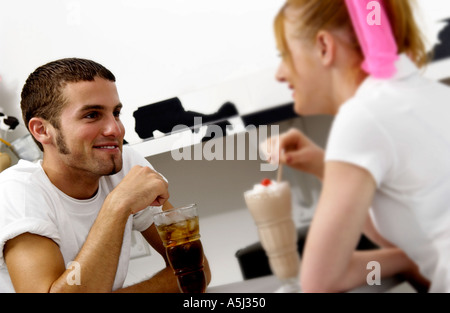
<point>386,167</point>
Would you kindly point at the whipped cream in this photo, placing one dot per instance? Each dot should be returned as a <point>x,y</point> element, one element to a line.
<point>260,190</point>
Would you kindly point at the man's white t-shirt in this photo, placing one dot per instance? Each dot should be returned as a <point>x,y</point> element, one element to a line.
<point>29,202</point>
<point>399,131</point>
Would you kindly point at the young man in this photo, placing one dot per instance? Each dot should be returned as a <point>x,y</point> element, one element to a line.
<point>81,202</point>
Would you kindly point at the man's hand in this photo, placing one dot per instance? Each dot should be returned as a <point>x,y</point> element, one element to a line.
<point>141,187</point>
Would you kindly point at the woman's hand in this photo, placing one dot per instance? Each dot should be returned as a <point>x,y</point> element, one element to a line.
<point>296,150</point>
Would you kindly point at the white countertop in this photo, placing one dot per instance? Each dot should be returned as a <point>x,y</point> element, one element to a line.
<point>270,284</point>
<point>222,236</point>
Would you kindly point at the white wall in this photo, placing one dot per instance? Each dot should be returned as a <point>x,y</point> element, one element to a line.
<point>157,48</point>
<point>430,15</point>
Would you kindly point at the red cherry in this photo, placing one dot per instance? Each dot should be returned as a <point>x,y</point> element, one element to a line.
<point>266,182</point>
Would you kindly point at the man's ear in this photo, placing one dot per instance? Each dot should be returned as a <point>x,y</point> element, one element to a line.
<point>41,130</point>
<point>326,47</point>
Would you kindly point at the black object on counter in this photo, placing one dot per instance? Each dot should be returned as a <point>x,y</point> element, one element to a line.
<point>254,262</point>
<point>442,49</point>
<point>10,121</point>
<point>165,115</point>
<point>270,116</point>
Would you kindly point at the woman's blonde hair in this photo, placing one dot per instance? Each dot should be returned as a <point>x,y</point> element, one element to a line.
<point>315,15</point>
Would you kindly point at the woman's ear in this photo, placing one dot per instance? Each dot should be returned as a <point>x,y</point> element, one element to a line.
<point>326,47</point>
<point>40,129</point>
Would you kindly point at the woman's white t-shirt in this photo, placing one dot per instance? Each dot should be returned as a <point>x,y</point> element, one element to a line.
<point>399,130</point>
<point>29,202</point>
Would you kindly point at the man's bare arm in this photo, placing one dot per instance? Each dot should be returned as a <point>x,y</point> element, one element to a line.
<point>99,256</point>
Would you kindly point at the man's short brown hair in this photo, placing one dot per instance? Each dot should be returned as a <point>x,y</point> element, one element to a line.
<point>42,93</point>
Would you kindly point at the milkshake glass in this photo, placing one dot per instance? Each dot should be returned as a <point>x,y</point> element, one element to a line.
<point>270,206</point>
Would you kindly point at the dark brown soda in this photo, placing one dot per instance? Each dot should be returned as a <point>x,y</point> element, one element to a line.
<point>186,260</point>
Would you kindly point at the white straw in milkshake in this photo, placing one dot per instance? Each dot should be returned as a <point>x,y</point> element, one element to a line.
<point>280,168</point>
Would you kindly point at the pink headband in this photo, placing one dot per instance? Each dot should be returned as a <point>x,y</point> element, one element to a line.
<point>375,36</point>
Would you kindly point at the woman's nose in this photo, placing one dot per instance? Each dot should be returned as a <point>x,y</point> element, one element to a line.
<point>280,74</point>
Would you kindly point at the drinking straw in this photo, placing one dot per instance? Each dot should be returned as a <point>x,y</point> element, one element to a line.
<point>10,147</point>
<point>280,172</point>
<point>280,168</point>
<point>5,142</point>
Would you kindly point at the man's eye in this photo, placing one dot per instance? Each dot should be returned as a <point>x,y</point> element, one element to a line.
<point>117,113</point>
<point>91,115</point>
